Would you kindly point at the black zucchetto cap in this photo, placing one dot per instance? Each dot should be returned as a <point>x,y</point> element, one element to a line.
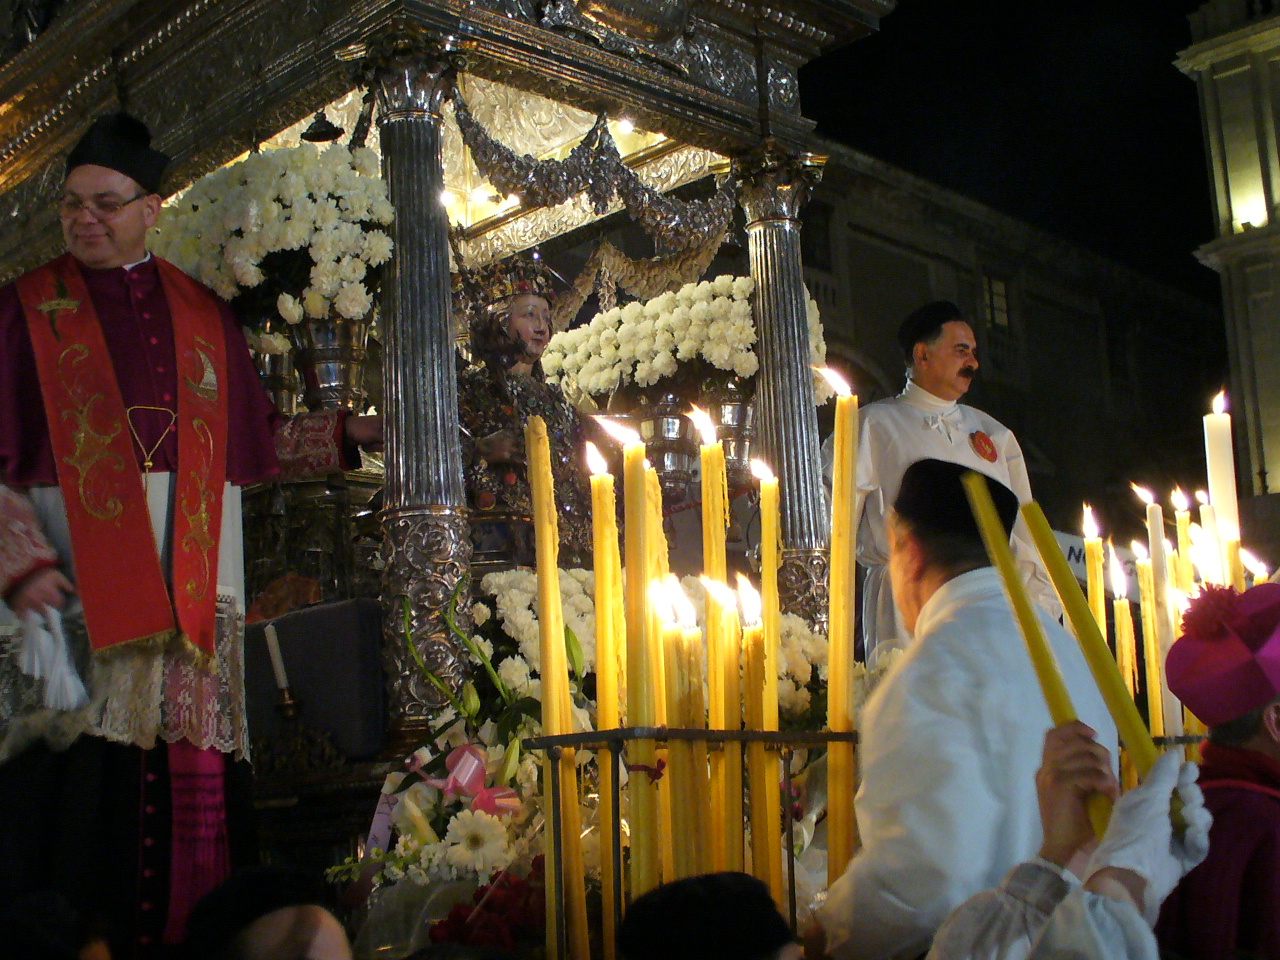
<point>932,500</point>
<point>123,143</point>
<point>925,324</point>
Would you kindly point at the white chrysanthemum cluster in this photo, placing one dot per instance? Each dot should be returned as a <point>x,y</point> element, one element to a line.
<point>326,204</point>
<point>515,593</point>
<point>642,343</point>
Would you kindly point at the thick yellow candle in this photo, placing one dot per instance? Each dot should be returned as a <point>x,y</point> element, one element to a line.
<point>1235,566</point>
<point>1184,572</point>
<point>1093,569</point>
<point>1220,463</point>
<point>642,790</point>
<point>659,565</point>
<point>762,765</point>
<point>556,713</point>
<point>842,831</point>
<point>1133,732</point>
<point>1150,645</point>
<point>693,716</point>
<point>1162,611</point>
<point>771,616</point>
<point>726,714</point>
<point>604,529</point>
<point>715,519</point>
<point>1052,686</point>
<point>1126,649</point>
<point>1213,557</point>
<point>679,775</point>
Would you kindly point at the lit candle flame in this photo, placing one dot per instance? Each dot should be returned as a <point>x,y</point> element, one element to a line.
<point>760,470</point>
<point>624,435</point>
<point>1220,402</point>
<point>1090,524</point>
<point>838,383</point>
<point>681,606</point>
<point>1177,600</point>
<point>1139,549</point>
<point>720,592</point>
<point>1253,565</point>
<point>703,423</point>
<point>596,462</point>
<point>660,600</point>
<point>1180,501</point>
<point>1119,581</point>
<point>1143,493</point>
<point>1204,554</point>
<point>1202,498</point>
<point>749,602</point>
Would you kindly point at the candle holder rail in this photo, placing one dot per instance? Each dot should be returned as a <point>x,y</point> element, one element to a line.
<point>785,743</point>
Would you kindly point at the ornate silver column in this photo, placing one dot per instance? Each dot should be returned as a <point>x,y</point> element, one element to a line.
<point>426,546</point>
<point>775,184</point>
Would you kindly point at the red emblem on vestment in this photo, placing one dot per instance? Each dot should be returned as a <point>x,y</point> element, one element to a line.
<point>983,446</point>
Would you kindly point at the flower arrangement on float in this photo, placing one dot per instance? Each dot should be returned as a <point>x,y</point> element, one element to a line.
<point>296,232</point>
<point>702,328</point>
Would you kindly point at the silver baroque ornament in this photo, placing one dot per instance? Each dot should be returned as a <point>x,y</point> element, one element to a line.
<point>426,554</point>
<point>802,585</point>
<point>595,167</point>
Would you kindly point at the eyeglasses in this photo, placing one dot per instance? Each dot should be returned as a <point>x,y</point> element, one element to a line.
<point>103,208</point>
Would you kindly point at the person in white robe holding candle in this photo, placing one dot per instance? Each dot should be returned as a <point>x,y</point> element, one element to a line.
<point>952,737</point>
<point>927,420</point>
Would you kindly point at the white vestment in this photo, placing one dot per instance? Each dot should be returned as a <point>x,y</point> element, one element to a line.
<point>895,433</point>
<point>140,695</point>
<point>1040,912</point>
<point>951,741</point>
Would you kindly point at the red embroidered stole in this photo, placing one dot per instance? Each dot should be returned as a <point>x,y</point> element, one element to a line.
<point>117,567</point>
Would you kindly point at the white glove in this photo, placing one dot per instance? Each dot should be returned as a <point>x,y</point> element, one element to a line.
<point>1140,837</point>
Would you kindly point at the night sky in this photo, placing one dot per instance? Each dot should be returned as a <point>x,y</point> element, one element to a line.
<point>1070,116</point>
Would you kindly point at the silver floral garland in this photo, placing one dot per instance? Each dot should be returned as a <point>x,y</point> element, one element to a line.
<point>641,279</point>
<point>594,167</point>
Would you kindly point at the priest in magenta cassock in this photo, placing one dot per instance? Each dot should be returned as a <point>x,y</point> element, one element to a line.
<point>130,415</point>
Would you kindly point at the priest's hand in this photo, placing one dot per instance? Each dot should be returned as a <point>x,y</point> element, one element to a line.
<point>1073,767</point>
<point>365,431</point>
<point>44,588</point>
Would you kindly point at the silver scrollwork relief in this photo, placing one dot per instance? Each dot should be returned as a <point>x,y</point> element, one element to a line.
<point>652,31</point>
<point>426,552</point>
<point>803,585</point>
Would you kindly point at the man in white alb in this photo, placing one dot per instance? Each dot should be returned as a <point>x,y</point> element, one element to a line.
<point>925,420</point>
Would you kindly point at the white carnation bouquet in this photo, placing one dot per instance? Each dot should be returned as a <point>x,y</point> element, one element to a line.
<point>702,329</point>
<point>295,232</point>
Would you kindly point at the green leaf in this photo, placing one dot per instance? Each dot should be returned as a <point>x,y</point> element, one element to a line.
<point>572,646</point>
<point>409,780</point>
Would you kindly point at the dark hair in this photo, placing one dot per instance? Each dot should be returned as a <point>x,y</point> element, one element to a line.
<point>714,915</point>
<point>925,326</point>
<point>931,503</point>
<point>1238,732</point>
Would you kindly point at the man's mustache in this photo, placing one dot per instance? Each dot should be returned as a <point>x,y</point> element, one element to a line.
<point>968,372</point>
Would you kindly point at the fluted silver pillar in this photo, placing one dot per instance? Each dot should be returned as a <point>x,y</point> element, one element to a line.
<point>426,541</point>
<point>775,185</point>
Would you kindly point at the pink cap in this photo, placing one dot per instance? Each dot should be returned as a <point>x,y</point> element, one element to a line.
<point>1227,661</point>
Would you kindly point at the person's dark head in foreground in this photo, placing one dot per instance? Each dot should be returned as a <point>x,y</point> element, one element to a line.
<point>266,912</point>
<point>724,915</point>
<point>43,926</point>
<point>1226,666</point>
<point>939,349</point>
<point>933,537</point>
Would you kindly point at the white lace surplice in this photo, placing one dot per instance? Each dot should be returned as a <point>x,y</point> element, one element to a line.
<point>140,695</point>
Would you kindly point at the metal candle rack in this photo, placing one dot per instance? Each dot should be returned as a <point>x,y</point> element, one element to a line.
<point>784,743</point>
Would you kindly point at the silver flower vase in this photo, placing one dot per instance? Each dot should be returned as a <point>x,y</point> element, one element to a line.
<point>279,379</point>
<point>331,355</point>
<point>731,405</point>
